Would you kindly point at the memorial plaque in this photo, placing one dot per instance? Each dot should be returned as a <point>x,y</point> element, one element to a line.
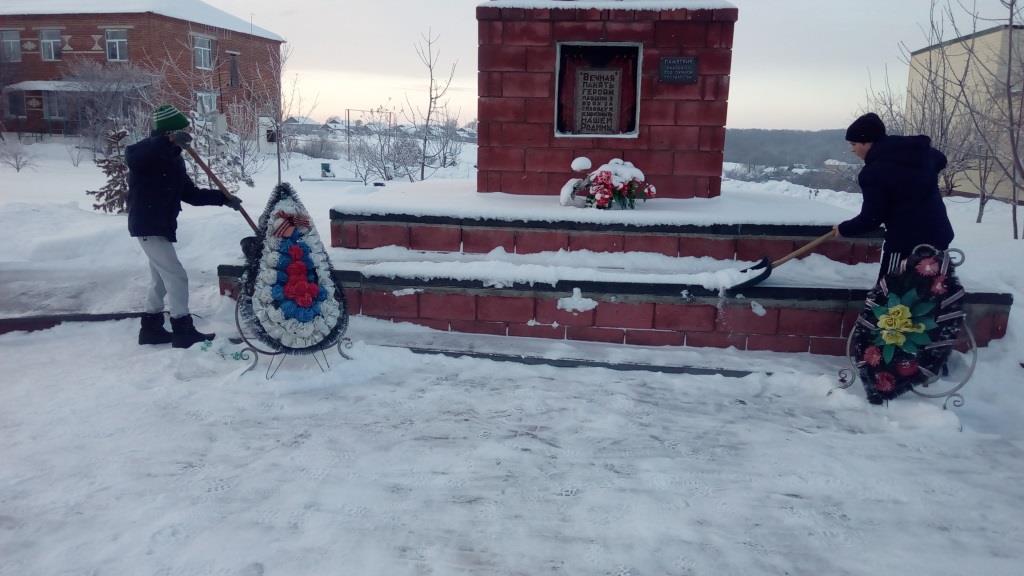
<point>678,70</point>
<point>598,92</point>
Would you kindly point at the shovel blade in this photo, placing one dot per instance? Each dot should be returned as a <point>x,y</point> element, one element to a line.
<point>755,275</point>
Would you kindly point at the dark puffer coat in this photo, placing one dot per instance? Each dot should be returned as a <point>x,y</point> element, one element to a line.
<point>900,186</point>
<point>157,185</point>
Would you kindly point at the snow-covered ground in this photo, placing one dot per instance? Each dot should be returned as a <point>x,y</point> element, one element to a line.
<point>118,459</point>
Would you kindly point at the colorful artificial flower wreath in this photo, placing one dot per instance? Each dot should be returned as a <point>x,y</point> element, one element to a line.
<point>910,324</point>
<point>616,183</point>
<point>290,298</point>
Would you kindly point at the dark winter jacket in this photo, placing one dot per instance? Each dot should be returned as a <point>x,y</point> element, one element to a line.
<point>157,185</point>
<point>900,183</point>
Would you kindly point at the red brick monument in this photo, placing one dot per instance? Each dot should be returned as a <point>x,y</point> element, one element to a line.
<point>560,79</point>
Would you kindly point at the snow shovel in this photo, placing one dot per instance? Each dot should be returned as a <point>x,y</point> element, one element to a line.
<point>220,185</point>
<point>757,273</point>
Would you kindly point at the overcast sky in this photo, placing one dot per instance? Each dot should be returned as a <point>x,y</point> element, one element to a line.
<point>802,64</point>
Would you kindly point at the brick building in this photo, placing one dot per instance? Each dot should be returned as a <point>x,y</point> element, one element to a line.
<point>183,51</point>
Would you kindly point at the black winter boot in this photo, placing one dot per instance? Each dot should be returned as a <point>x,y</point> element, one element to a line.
<point>152,331</point>
<point>185,333</point>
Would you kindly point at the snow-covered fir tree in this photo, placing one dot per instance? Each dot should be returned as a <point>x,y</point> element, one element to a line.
<point>113,195</point>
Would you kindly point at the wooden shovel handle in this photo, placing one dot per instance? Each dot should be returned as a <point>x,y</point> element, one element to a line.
<point>804,249</point>
<point>223,188</point>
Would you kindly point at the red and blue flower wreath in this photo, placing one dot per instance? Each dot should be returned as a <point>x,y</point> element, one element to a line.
<point>297,288</point>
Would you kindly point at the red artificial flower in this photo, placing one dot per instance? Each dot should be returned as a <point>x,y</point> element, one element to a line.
<point>906,368</point>
<point>295,252</point>
<point>885,382</point>
<point>928,267</point>
<point>939,285</point>
<point>873,356</point>
<point>296,269</point>
<point>301,292</point>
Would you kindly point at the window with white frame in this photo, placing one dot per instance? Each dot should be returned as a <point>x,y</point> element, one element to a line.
<point>10,46</point>
<point>117,45</point>
<point>15,105</point>
<point>202,52</point>
<point>49,44</point>
<point>206,103</point>
<point>54,106</point>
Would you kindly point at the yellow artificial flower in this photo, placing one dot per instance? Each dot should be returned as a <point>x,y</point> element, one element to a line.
<point>900,312</point>
<point>893,337</point>
<point>888,322</point>
<point>909,326</point>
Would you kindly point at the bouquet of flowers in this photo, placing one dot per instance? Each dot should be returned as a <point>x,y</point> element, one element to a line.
<point>616,183</point>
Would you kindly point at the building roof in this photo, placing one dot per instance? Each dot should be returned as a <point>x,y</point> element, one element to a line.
<point>190,10</point>
<point>966,38</point>
<point>68,86</point>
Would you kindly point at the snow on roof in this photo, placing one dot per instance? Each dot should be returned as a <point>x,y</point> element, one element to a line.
<point>612,4</point>
<point>301,120</point>
<point>190,10</point>
<point>67,86</point>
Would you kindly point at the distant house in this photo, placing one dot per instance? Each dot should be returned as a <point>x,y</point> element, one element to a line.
<point>301,125</point>
<point>334,126</point>
<point>207,61</point>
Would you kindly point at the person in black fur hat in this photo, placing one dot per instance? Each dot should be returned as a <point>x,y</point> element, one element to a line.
<point>157,185</point>
<point>900,185</point>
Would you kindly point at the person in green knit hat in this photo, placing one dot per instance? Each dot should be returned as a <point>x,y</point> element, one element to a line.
<point>157,185</point>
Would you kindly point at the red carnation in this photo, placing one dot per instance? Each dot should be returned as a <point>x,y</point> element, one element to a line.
<point>906,368</point>
<point>885,382</point>
<point>928,267</point>
<point>873,356</point>
<point>295,252</point>
<point>296,269</point>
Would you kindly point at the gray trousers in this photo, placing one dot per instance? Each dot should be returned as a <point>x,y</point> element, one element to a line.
<point>169,277</point>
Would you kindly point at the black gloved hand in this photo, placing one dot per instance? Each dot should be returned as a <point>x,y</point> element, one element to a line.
<point>234,202</point>
<point>181,139</point>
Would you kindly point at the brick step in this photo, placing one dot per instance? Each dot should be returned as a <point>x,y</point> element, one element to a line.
<point>781,319</point>
<point>747,242</point>
<point>633,267</point>
<point>568,354</point>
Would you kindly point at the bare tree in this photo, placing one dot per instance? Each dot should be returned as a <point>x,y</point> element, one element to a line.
<point>925,109</point>
<point>987,83</point>
<point>245,146</point>
<point>15,155</point>
<point>73,146</point>
<point>109,98</point>
<point>427,121</point>
<point>449,142</point>
<point>280,102</point>
<point>385,151</point>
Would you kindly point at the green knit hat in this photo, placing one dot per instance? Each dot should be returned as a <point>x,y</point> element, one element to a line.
<point>167,118</point>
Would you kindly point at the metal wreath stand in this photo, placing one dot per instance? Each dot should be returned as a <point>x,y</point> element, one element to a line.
<point>952,397</point>
<point>253,346</point>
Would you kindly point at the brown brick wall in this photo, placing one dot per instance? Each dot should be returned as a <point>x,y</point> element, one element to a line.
<point>681,134</point>
<point>154,42</point>
<point>475,239</point>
